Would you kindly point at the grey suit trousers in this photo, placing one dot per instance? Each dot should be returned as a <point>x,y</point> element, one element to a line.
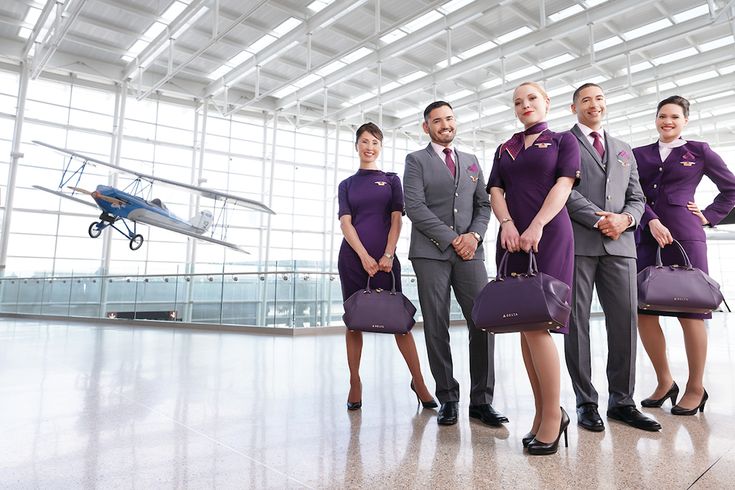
<point>467,278</point>
<point>614,278</point>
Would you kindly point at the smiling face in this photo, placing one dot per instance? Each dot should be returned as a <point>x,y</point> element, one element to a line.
<point>670,121</point>
<point>589,106</point>
<point>441,125</point>
<point>368,148</point>
<point>531,106</point>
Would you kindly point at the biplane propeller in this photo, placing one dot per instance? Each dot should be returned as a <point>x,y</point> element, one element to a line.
<point>122,207</point>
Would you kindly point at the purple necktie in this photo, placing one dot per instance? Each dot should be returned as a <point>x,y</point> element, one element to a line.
<point>449,161</point>
<point>597,144</point>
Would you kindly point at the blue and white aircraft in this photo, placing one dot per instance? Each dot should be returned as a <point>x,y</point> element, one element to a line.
<point>119,207</point>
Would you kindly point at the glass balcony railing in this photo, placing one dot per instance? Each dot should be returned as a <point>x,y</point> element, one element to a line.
<point>280,298</point>
<point>284,297</point>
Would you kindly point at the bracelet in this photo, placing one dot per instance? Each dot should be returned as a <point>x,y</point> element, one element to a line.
<point>388,256</point>
<point>505,220</point>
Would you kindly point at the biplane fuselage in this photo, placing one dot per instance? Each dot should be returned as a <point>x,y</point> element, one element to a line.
<point>123,205</point>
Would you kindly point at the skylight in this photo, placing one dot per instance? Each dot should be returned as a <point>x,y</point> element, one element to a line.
<point>410,78</point>
<point>509,36</point>
<point>677,55</point>
<point>567,12</point>
<point>717,43</point>
<point>284,91</point>
<point>423,21</point>
<point>356,55</point>
<point>646,29</point>
<point>307,80</point>
<point>481,48</point>
<point>409,112</point>
<point>558,60</point>
<point>444,63</point>
<point>393,36</point>
<point>564,89</point>
<point>719,95</point>
<point>697,78</point>
<point>522,73</point>
<point>618,98</point>
<point>330,68</point>
<point>168,16</point>
<point>493,82</point>
<point>691,13</point>
<point>450,7</point>
<point>266,40</point>
<point>458,95</point>
<point>644,65</point>
<point>31,18</point>
<point>607,43</point>
<point>319,5</point>
<point>593,3</point>
<point>661,87</point>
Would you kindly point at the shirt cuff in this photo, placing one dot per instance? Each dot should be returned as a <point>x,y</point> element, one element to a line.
<point>632,220</point>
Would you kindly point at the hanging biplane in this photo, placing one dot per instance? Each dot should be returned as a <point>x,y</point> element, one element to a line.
<point>129,205</point>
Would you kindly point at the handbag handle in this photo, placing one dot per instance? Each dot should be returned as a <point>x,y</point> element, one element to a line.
<point>503,267</point>
<point>393,289</point>
<point>687,262</point>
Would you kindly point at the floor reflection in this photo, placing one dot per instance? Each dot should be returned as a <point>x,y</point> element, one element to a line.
<point>133,407</point>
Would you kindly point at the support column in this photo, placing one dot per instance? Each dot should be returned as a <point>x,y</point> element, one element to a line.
<point>196,177</point>
<point>15,155</point>
<point>118,121</point>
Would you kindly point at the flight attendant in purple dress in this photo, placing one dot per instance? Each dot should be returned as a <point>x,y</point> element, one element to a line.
<point>670,171</point>
<point>530,182</point>
<point>370,212</point>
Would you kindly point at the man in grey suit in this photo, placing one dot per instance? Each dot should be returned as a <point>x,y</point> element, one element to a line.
<point>449,208</point>
<point>604,208</point>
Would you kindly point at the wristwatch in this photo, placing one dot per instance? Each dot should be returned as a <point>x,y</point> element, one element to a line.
<point>388,256</point>
<point>477,236</point>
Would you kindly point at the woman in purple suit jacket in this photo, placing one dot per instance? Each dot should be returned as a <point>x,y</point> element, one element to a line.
<point>670,171</point>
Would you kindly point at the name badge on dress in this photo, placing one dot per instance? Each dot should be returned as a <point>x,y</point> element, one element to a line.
<point>543,146</point>
<point>381,182</point>
<point>688,164</point>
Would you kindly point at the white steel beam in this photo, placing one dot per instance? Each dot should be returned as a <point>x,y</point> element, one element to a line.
<point>65,19</point>
<point>516,47</point>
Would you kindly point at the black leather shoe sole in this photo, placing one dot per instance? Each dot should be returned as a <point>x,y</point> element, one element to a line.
<point>591,428</point>
<point>493,422</point>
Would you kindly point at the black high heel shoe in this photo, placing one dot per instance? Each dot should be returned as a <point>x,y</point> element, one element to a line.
<point>430,404</point>
<point>677,410</point>
<point>526,440</point>
<point>354,405</point>
<point>673,393</point>
<point>538,448</point>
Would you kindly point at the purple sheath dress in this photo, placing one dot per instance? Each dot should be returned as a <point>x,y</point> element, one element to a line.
<point>369,197</point>
<point>527,181</point>
<point>668,186</point>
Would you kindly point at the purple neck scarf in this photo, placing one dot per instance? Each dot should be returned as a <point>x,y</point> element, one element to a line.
<point>514,145</point>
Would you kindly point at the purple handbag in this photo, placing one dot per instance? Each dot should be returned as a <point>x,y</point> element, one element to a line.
<point>378,310</point>
<point>521,302</point>
<point>677,288</point>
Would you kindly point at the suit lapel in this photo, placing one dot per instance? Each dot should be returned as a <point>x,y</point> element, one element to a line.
<point>588,146</point>
<point>610,152</point>
<point>433,157</point>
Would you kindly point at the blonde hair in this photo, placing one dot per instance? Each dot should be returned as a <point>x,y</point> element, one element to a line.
<point>534,85</point>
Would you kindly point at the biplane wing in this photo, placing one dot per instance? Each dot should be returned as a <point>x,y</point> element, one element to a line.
<point>66,196</point>
<point>158,224</point>
<point>202,191</point>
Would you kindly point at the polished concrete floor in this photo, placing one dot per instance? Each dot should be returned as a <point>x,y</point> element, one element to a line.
<point>84,406</point>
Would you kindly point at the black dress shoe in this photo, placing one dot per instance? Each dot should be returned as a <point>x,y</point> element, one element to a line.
<point>538,448</point>
<point>589,418</point>
<point>354,405</point>
<point>673,393</point>
<point>487,415</point>
<point>677,410</point>
<point>633,417</point>
<point>526,440</point>
<point>448,413</point>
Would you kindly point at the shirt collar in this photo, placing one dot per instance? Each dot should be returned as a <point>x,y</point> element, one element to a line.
<point>586,130</point>
<point>439,149</point>
<point>674,144</point>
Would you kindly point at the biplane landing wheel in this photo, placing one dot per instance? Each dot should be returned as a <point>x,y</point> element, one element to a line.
<point>136,242</point>
<point>94,229</point>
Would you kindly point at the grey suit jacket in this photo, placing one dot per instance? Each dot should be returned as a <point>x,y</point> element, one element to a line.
<point>605,185</point>
<point>441,207</point>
